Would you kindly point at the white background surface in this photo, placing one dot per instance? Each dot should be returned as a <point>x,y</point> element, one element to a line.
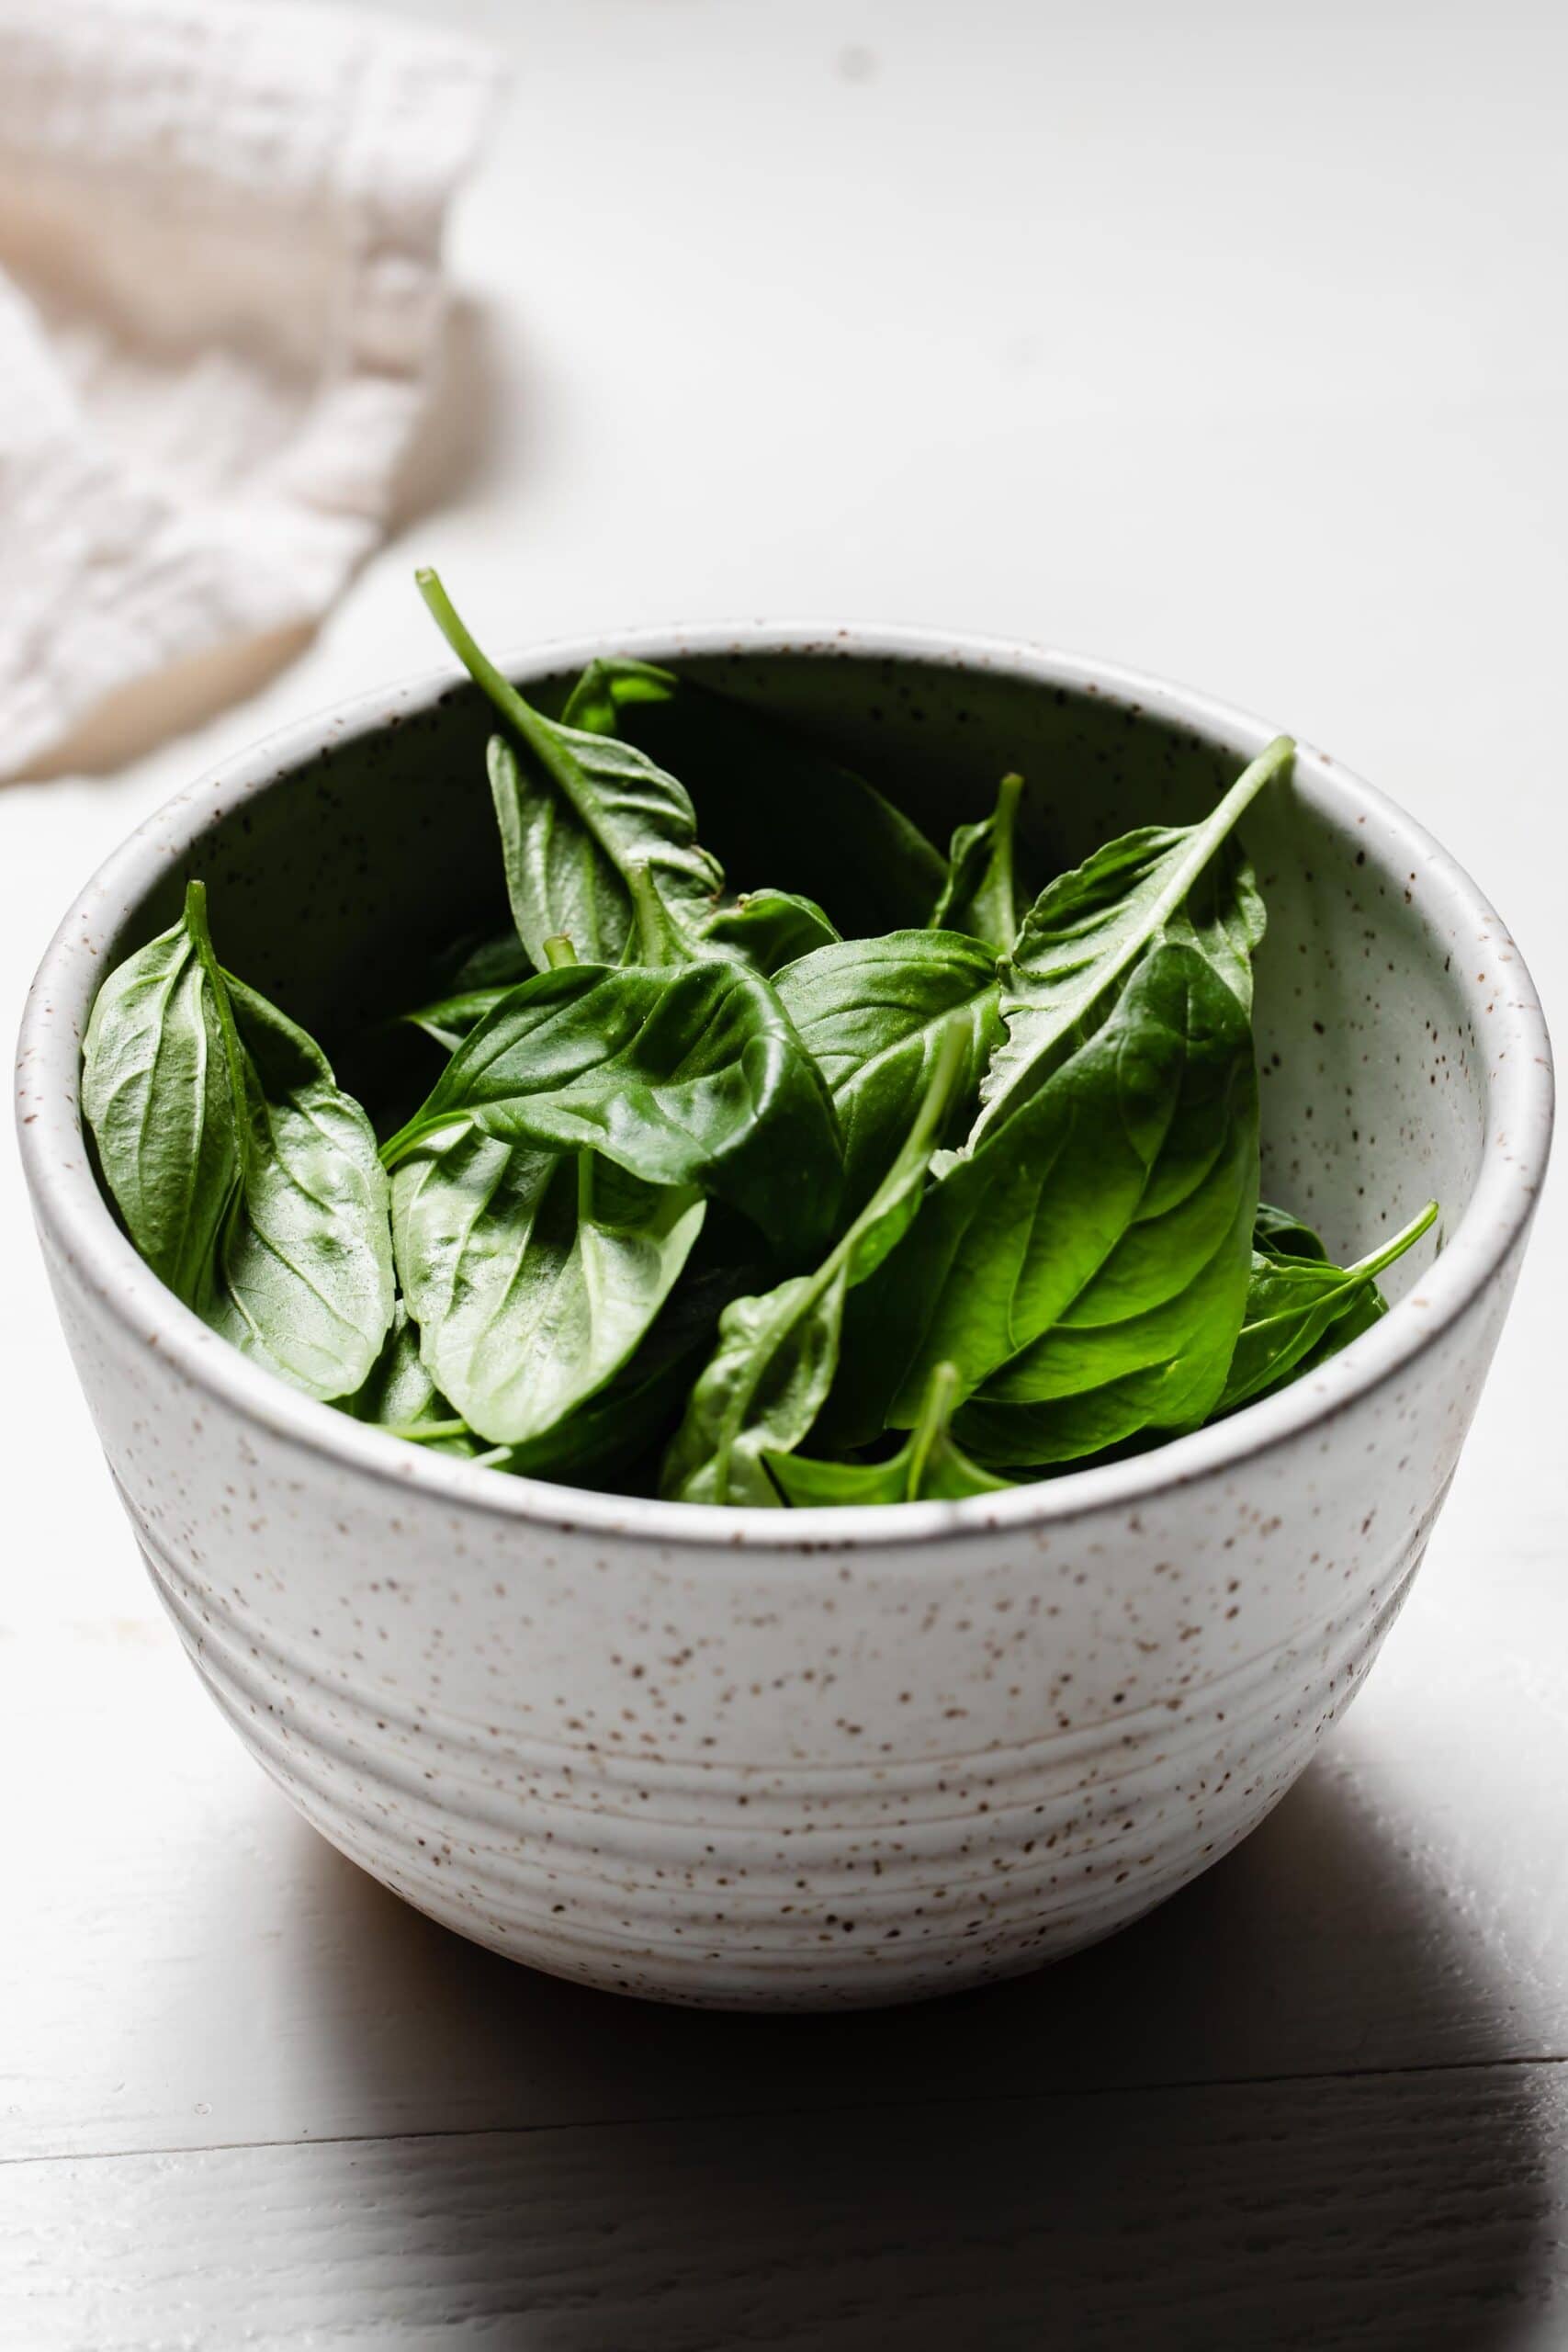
<point>1231,343</point>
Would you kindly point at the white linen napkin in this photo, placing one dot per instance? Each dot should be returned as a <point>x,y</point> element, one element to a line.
<point>221,312</point>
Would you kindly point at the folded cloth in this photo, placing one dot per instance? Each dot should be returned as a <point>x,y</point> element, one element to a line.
<point>220,313</point>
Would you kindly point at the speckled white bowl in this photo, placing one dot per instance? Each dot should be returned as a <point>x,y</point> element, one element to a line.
<point>806,1759</point>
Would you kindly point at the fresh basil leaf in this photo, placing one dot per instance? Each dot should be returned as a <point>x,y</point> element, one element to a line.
<point>928,1467</point>
<point>601,1440</point>
<point>1366,1310</point>
<point>579,813</point>
<point>1087,930</point>
<point>1278,1234</point>
<point>979,895</point>
<point>569,860</point>
<point>763,787</point>
<point>1146,1342</point>
<point>692,1076</point>
<point>452,1018</point>
<point>769,929</point>
<point>532,1275</point>
<point>399,1396</point>
<point>872,1014</point>
<point>247,1179</point>
<point>1225,918</point>
<point>633,1416</point>
<point>303,1274</point>
<point>604,1437</point>
<point>1294,1305</point>
<point>609,686</point>
<point>497,963</point>
<point>1101,1236</point>
<point>774,1365</point>
<point>155,1095</point>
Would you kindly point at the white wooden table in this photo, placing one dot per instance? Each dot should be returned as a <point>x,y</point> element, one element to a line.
<point>1228,342</point>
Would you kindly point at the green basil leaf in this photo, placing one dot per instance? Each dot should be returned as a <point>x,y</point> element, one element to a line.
<point>1101,1236</point>
<point>155,1094</point>
<point>1226,919</point>
<point>766,931</point>
<point>1294,1305</point>
<point>774,1362</point>
<point>497,963</point>
<point>579,813</point>
<point>928,1467</point>
<point>400,1396</point>
<point>247,1179</point>
<point>452,1018</point>
<point>532,1276</point>
<point>303,1275</point>
<point>604,1437</point>
<point>692,1076</point>
<point>610,686</point>
<point>1367,1307</point>
<point>1278,1234</point>
<point>807,1484</point>
<point>980,893</point>
<point>1087,930</point>
<point>872,1014</point>
<point>570,853</point>
<point>762,789</point>
<point>633,1416</point>
<point>769,929</point>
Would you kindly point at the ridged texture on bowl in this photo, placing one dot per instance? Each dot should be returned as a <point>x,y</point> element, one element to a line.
<point>645,1771</point>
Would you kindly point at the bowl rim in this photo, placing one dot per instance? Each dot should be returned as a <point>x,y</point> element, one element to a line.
<point>71,1208</point>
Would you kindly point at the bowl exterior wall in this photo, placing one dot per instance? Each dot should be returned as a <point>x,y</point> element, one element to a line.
<point>789,1777</point>
<point>832,1760</point>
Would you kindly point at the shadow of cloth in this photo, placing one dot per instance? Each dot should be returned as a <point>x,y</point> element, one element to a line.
<point>1222,2129</point>
<point>447,457</point>
<point>452,457</point>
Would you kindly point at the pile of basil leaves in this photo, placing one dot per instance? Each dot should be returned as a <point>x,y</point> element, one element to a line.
<point>712,1200</point>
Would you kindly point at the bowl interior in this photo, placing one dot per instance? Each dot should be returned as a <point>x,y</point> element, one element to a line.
<point>335,886</point>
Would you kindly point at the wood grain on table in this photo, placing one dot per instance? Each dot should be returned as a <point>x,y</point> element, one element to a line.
<point>1231,345</point>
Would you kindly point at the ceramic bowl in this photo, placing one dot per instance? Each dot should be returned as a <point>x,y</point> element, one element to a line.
<point>774,1759</point>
